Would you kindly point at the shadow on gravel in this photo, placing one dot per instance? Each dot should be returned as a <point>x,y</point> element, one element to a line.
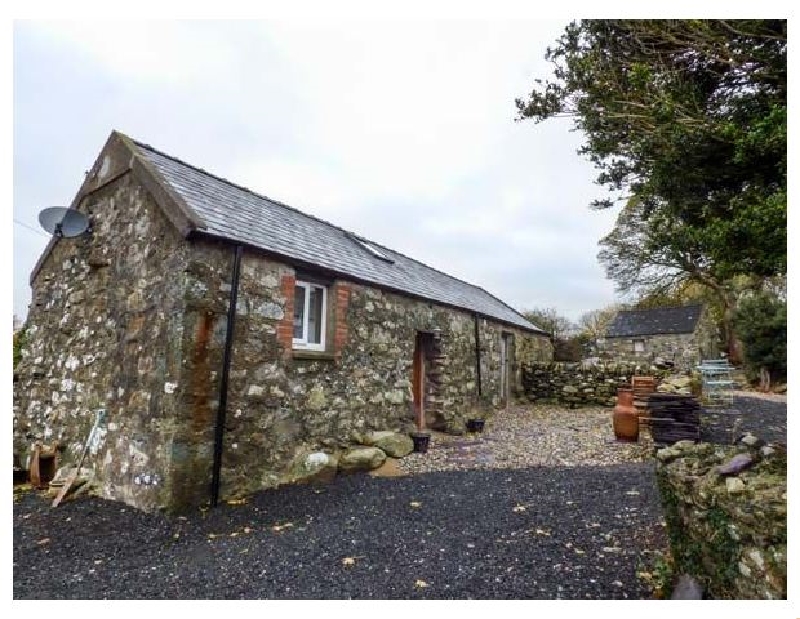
<point>576,533</point>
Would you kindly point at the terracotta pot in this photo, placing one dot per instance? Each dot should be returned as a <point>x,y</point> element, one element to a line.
<point>626,418</point>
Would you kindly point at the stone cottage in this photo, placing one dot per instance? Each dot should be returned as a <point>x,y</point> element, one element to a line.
<point>229,337</point>
<point>680,335</point>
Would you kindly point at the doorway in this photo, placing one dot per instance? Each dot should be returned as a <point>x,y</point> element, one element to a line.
<point>505,356</point>
<point>420,380</point>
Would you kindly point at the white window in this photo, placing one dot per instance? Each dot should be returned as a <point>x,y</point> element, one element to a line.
<point>310,303</point>
<point>638,345</point>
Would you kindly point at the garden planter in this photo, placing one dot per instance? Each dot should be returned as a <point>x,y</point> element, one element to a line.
<point>625,417</point>
<point>421,441</point>
<point>475,425</point>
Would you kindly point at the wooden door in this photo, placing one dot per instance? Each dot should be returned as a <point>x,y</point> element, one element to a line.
<point>418,381</point>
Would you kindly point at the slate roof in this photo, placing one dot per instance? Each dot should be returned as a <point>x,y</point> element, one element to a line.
<point>657,321</point>
<point>234,213</point>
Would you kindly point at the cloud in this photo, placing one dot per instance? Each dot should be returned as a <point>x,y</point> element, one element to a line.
<point>403,132</point>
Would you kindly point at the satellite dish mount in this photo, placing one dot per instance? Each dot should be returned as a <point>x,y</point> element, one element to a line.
<point>64,222</point>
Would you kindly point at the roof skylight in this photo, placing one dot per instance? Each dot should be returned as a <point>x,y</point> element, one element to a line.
<point>372,249</point>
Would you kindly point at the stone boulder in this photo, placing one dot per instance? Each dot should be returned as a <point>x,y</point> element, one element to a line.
<point>362,459</point>
<point>309,467</point>
<point>394,444</point>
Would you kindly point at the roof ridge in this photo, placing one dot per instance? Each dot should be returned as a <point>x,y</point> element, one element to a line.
<point>322,221</point>
<point>650,309</point>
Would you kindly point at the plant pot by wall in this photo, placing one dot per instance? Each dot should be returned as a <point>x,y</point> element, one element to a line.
<point>475,425</point>
<point>421,441</point>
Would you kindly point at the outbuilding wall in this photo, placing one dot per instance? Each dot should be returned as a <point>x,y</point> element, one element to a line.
<point>284,403</point>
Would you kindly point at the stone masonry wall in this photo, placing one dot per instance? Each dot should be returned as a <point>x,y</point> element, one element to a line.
<point>574,385</point>
<point>682,349</point>
<point>284,403</point>
<point>104,331</point>
<point>727,529</point>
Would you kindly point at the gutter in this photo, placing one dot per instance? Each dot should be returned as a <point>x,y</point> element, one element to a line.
<point>219,430</point>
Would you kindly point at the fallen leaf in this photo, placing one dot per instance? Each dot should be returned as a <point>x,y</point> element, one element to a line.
<point>348,561</point>
<point>415,504</point>
<point>542,532</point>
<point>632,492</point>
<point>518,508</point>
<point>44,540</point>
<point>280,527</point>
<point>421,584</point>
<point>247,529</point>
<point>98,561</point>
<point>236,501</point>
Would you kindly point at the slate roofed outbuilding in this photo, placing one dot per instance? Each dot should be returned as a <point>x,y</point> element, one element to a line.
<point>656,321</point>
<point>236,214</point>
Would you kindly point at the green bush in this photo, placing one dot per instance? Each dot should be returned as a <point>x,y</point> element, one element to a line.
<point>19,342</point>
<point>760,323</point>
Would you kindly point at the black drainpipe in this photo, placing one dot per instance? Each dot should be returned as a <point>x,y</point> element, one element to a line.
<point>478,354</point>
<point>223,387</point>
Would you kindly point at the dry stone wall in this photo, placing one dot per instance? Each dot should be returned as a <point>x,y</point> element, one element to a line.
<point>576,385</point>
<point>726,515</point>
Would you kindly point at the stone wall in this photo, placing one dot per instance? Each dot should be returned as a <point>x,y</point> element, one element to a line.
<point>727,529</point>
<point>104,331</point>
<point>282,403</point>
<point>681,349</point>
<point>576,385</point>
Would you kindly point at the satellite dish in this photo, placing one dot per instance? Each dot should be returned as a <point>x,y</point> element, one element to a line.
<point>63,222</point>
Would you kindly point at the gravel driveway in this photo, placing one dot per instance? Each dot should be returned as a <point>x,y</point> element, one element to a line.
<point>548,508</point>
<point>573,533</point>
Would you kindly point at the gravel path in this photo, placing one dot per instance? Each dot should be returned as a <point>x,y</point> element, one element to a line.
<point>532,436</point>
<point>576,533</point>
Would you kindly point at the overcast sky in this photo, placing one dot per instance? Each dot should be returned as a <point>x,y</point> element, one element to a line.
<point>404,134</point>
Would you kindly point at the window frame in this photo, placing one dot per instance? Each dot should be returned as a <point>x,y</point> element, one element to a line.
<point>302,343</point>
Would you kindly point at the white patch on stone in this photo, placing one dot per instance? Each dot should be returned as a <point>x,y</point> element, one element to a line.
<point>120,393</point>
<point>170,387</point>
<point>755,555</point>
<point>255,390</point>
<point>743,569</point>
<point>98,438</point>
<point>105,167</point>
<point>238,413</point>
<point>48,432</point>
<point>318,458</point>
<point>67,384</point>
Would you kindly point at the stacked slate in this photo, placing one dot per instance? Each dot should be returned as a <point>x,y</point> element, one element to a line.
<point>672,417</point>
